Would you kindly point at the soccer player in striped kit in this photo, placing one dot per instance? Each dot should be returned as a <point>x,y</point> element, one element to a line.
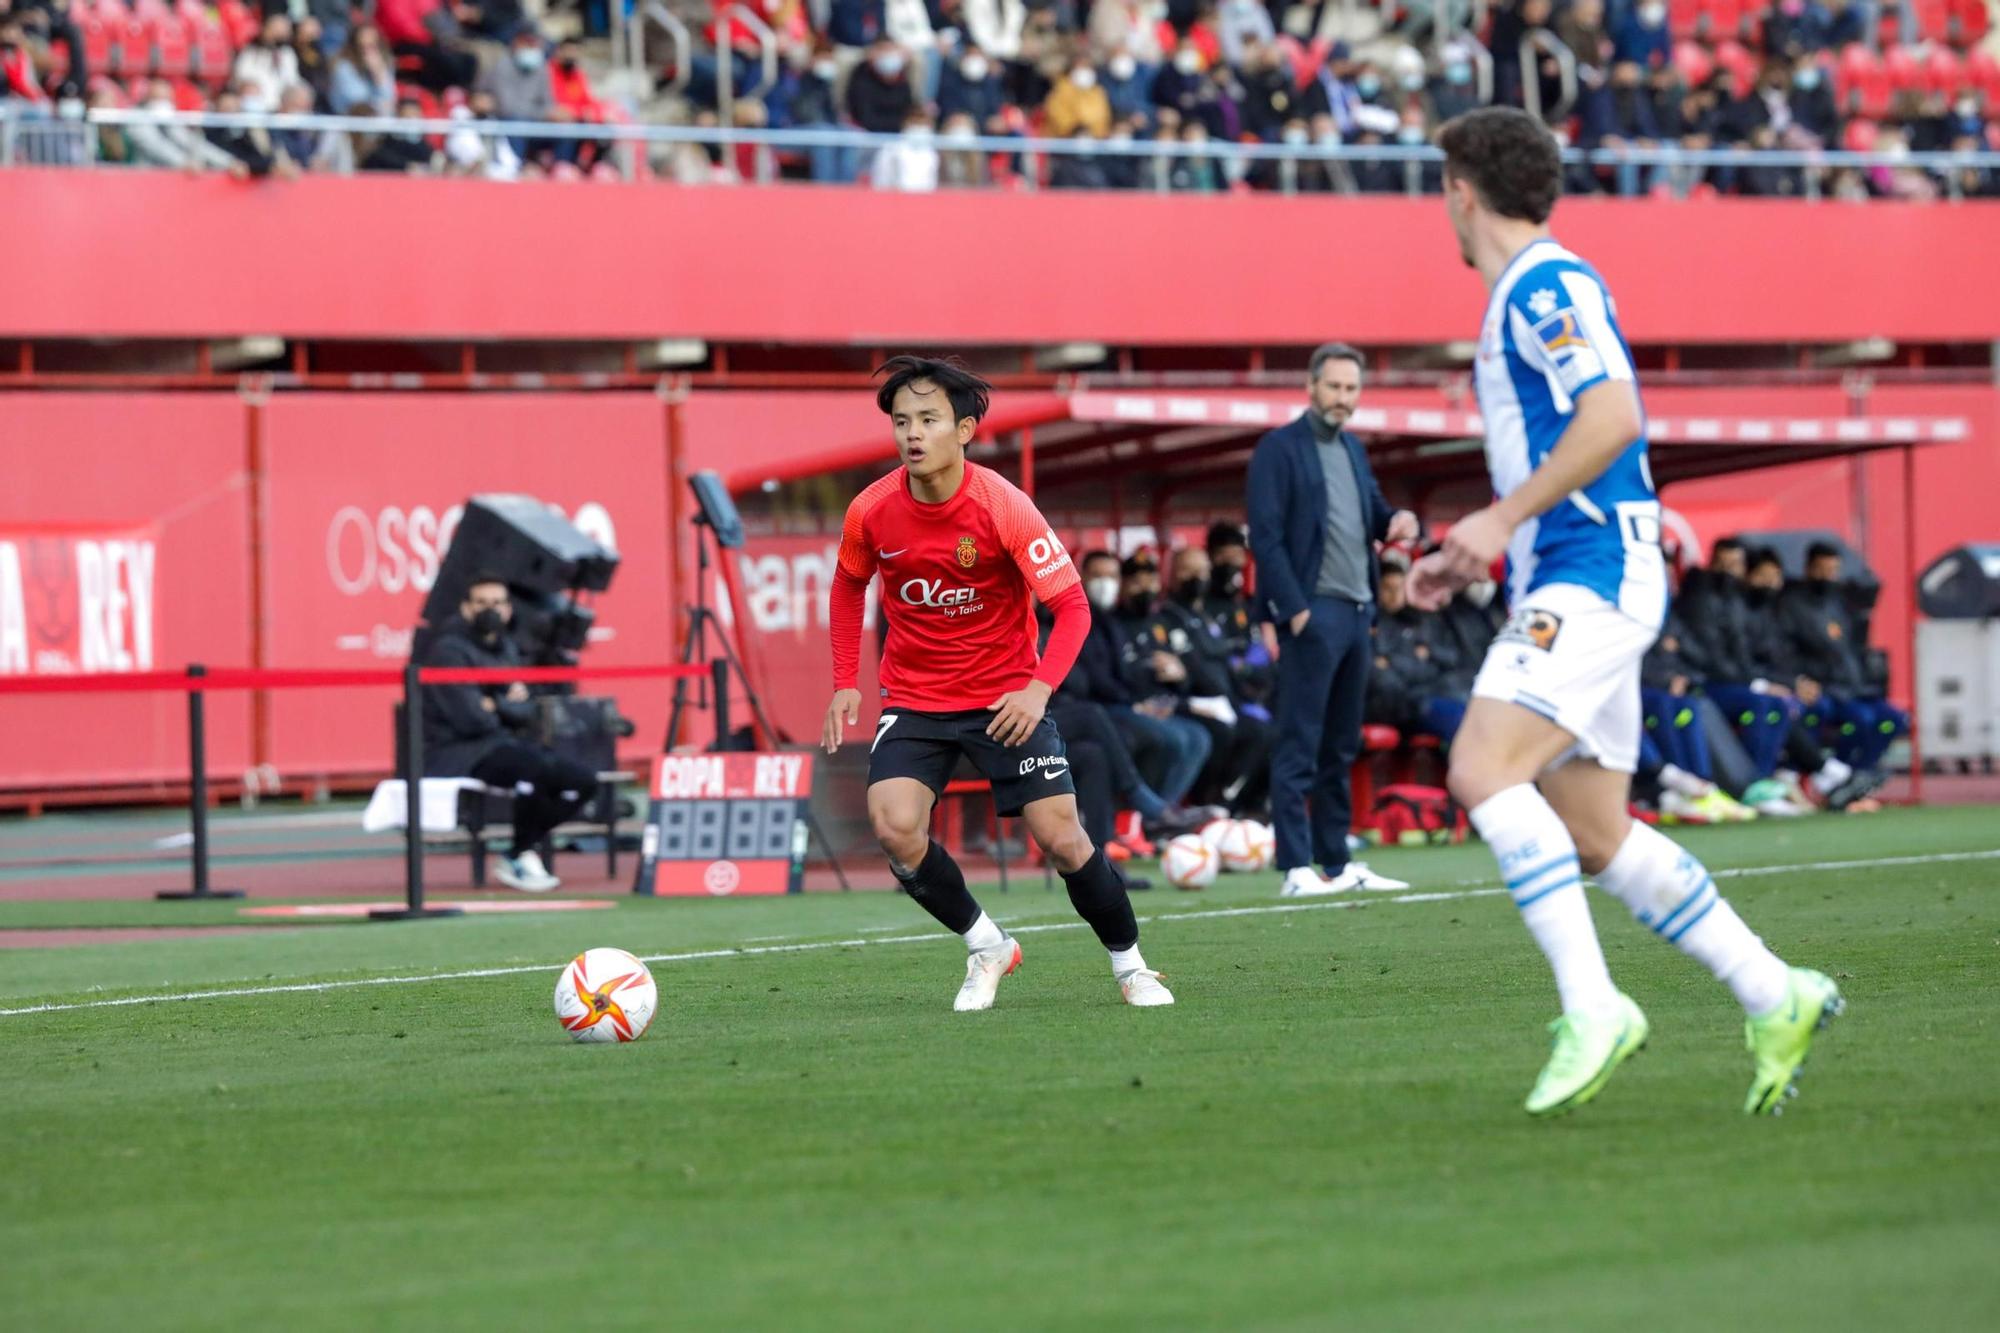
<point>1544,759</point>
<point>961,553</point>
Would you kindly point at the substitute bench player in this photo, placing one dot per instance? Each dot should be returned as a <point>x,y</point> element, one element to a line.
<point>961,552</point>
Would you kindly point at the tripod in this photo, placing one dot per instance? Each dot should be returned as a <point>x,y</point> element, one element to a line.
<point>694,649</point>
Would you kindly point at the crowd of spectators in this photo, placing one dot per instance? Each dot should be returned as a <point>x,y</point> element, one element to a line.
<point>1158,79</point>
<point>1760,698</point>
<point>410,60</point>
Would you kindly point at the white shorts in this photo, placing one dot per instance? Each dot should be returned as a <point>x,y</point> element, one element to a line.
<point>1574,658</point>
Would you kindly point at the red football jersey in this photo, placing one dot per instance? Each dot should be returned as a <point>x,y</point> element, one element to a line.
<point>957,579</point>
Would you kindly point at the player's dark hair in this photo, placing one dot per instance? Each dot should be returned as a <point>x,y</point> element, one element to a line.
<point>1765,555</point>
<point>1509,156</point>
<point>1223,533</point>
<point>1822,551</point>
<point>1726,544</point>
<point>968,393</point>
<point>484,576</point>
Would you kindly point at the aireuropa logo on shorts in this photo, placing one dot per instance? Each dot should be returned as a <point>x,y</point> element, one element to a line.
<point>1048,761</point>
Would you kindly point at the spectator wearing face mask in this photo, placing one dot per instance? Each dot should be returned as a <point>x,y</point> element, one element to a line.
<point>1234,618</point>
<point>1183,86</point>
<point>266,66</point>
<point>313,150</point>
<point>1822,633</point>
<point>1127,84</point>
<point>519,85</point>
<point>911,163</point>
<point>1238,769</point>
<point>1796,28</point>
<point>1077,104</point>
<point>1642,37</point>
<point>251,147</point>
<point>1270,98</point>
<point>1169,750</point>
<point>879,96</point>
<point>971,86</point>
<point>1452,91</point>
<point>176,146</point>
<point>1411,687</point>
<point>1623,119</point>
<point>364,72</point>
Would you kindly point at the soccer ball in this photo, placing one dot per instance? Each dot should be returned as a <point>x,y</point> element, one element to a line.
<point>1263,842</point>
<point>1215,830</point>
<point>1246,845</point>
<point>606,995</point>
<point>1188,862</point>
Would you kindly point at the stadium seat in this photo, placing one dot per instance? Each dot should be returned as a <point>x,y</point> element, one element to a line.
<point>97,42</point>
<point>1982,71</point>
<point>211,50</point>
<point>1943,71</point>
<point>1692,62</point>
<point>1683,17</point>
<point>1375,739</point>
<point>238,20</point>
<point>1932,18</point>
<point>173,53</point>
<point>1860,135</point>
<point>1741,64</point>
<point>1905,72</point>
<point>189,96</point>
<point>1860,83</point>
<point>1969,22</point>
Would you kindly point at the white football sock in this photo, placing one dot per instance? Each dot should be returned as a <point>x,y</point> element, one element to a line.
<point>1671,893</point>
<point>984,934</point>
<point>1538,861</point>
<point>1126,960</point>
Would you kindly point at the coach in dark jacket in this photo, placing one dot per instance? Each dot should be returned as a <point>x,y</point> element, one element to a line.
<point>1315,516</point>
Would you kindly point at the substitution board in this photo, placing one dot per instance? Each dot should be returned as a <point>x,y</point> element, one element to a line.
<point>721,824</point>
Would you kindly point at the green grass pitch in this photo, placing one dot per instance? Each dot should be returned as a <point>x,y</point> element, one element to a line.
<point>1324,1133</point>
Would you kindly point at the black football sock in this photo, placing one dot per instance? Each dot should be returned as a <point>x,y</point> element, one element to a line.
<point>1098,893</point>
<point>938,886</point>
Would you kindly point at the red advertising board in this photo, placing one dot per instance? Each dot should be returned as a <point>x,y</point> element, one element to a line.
<point>124,544</point>
<point>362,494</point>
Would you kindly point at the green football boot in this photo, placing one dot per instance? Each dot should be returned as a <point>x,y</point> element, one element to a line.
<point>1780,1040</point>
<point>1588,1050</point>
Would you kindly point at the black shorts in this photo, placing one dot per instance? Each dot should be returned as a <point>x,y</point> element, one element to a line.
<point>926,746</point>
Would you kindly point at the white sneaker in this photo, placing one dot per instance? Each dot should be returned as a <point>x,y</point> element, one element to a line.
<point>1359,876</point>
<point>1679,809</point>
<point>1305,882</point>
<point>1782,807</point>
<point>983,970</point>
<point>1143,989</point>
<point>526,873</point>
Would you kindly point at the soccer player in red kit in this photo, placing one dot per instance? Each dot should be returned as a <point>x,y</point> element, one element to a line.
<point>961,552</point>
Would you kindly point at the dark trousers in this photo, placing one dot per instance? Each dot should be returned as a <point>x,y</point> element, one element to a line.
<point>1091,723</point>
<point>1762,720</point>
<point>547,788</point>
<point>1322,683</point>
<point>1090,770</point>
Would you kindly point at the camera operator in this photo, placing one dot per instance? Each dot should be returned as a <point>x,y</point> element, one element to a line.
<point>478,731</point>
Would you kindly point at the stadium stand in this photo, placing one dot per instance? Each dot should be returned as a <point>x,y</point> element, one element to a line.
<point>1700,74</point>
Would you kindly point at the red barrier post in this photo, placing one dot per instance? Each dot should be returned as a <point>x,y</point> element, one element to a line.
<point>413,908</point>
<point>197,798</point>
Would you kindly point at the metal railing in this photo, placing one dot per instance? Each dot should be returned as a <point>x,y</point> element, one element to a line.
<point>1550,45</point>
<point>658,15</point>
<point>40,141</point>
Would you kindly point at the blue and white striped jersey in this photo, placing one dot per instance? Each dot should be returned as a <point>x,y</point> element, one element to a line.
<point>1551,332</point>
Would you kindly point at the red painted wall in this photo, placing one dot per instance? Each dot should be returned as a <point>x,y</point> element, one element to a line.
<point>390,257</point>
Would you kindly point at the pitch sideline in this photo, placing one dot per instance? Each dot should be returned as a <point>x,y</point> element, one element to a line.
<point>810,946</point>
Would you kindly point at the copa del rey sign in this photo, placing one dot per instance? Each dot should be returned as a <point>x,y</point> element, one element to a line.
<point>76,600</point>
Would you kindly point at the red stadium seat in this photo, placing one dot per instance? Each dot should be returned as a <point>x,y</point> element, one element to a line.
<point>1969,22</point>
<point>173,53</point>
<point>1859,136</point>
<point>1905,71</point>
<point>1741,64</point>
<point>1932,17</point>
<point>1683,16</point>
<point>1860,83</point>
<point>1692,62</point>
<point>238,20</point>
<point>1943,72</point>
<point>1982,71</point>
<point>97,39</point>
<point>212,52</point>
<point>189,97</point>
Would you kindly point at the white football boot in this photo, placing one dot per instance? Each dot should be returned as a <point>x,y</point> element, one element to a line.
<point>1357,875</point>
<point>1143,988</point>
<point>983,970</point>
<point>1305,882</point>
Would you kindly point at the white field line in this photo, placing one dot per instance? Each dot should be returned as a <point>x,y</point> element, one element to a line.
<point>1487,889</point>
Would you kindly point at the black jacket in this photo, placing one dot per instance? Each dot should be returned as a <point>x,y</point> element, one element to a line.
<point>1470,630</point>
<point>1712,609</point>
<point>1287,509</point>
<point>1199,644</point>
<point>459,730</point>
<point>1674,653</point>
<point>1139,637</point>
<point>1821,632</point>
<point>1098,674</point>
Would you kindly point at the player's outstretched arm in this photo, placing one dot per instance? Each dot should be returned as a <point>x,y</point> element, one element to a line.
<point>847,599</point>
<point>1603,426</point>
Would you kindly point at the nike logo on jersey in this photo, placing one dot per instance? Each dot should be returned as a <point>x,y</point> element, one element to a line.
<point>889,555</point>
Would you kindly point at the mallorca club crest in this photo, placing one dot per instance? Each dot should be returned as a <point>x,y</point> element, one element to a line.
<point>968,554</point>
